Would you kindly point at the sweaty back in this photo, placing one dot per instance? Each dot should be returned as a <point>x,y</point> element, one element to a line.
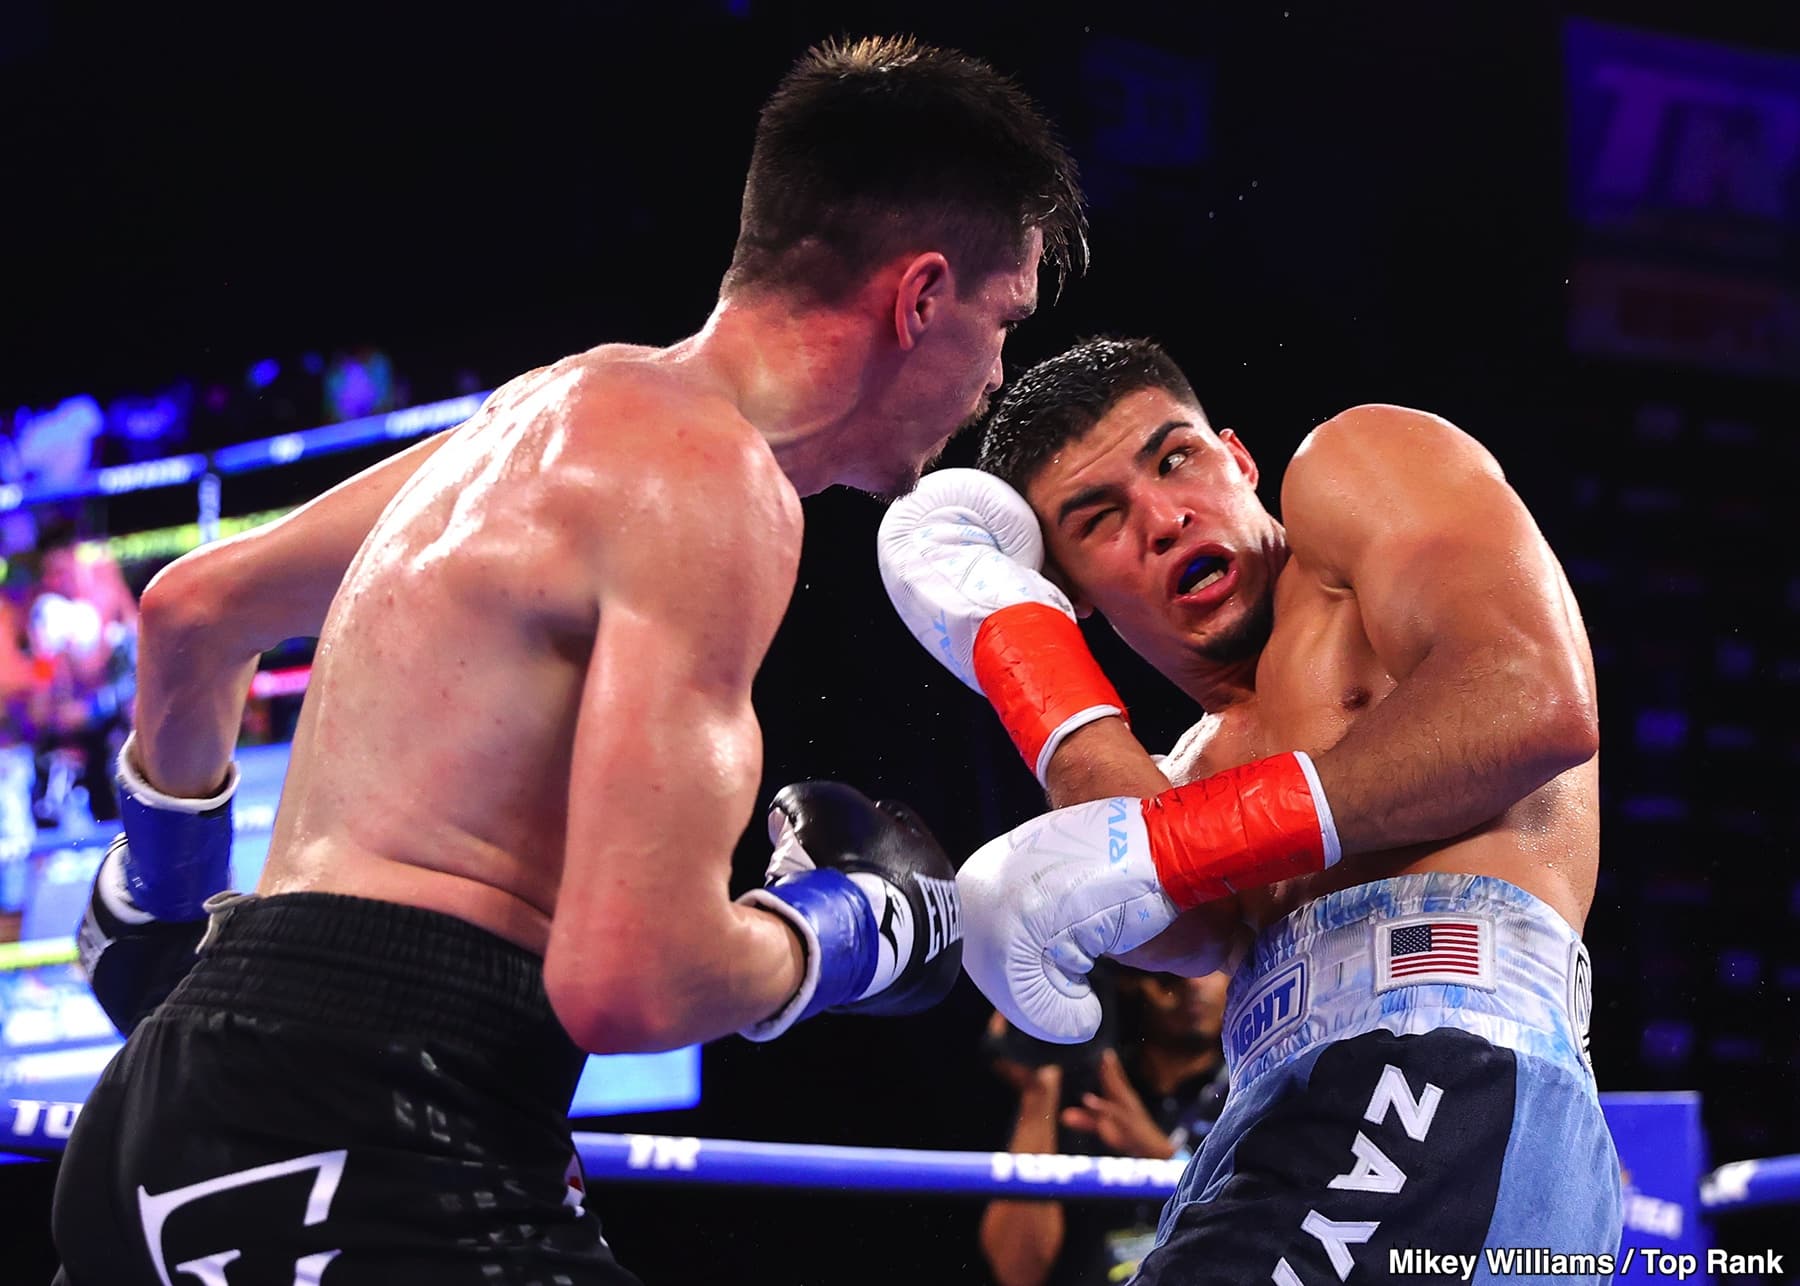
<point>432,761</point>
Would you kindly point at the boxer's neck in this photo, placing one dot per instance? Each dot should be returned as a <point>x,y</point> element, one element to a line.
<point>797,376</point>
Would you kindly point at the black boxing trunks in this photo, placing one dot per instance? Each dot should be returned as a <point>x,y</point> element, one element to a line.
<point>341,1092</point>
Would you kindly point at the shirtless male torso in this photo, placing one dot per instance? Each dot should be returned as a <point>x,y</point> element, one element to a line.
<point>528,749</point>
<point>1385,824</point>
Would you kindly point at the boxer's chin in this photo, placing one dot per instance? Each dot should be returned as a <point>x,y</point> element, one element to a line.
<point>903,482</point>
<point>1244,639</point>
<point>897,487</point>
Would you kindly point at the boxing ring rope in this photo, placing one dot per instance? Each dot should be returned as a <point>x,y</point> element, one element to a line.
<point>664,1158</point>
<point>677,1159</point>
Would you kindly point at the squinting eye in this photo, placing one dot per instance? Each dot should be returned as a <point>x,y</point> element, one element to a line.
<point>1087,528</point>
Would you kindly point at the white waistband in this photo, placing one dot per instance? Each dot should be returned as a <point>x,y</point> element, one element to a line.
<point>1411,954</point>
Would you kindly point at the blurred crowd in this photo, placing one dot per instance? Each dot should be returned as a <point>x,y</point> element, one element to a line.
<point>68,614</point>
<point>1150,1084</point>
<point>68,658</point>
<point>56,443</point>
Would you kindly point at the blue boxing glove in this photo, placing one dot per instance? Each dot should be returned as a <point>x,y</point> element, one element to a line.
<point>872,897</point>
<point>147,911</point>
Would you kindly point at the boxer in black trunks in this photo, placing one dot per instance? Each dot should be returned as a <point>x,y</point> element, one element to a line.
<point>529,748</point>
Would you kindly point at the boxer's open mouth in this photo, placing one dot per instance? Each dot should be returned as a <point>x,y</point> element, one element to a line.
<point>1207,569</point>
<point>1206,579</point>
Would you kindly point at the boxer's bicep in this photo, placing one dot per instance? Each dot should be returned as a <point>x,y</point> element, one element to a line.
<point>667,760</point>
<point>1414,517</point>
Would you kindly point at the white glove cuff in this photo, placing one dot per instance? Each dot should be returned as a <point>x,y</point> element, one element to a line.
<point>1328,835</point>
<point>785,1017</point>
<point>1080,719</point>
<point>145,793</point>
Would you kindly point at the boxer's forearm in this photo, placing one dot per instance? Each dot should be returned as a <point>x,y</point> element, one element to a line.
<point>1101,760</point>
<point>1466,735</point>
<point>736,978</point>
<point>190,705</point>
<point>661,985</point>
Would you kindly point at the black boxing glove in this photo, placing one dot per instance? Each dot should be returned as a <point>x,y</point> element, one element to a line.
<point>872,897</point>
<point>148,908</point>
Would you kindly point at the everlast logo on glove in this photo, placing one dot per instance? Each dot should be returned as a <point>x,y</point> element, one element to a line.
<point>857,879</point>
<point>941,912</point>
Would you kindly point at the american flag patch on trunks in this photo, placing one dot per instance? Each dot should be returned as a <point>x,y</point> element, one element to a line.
<point>1434,948</point>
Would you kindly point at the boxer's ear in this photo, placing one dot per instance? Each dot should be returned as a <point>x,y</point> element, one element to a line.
<point>925,286</point>
<point>1240,454</point>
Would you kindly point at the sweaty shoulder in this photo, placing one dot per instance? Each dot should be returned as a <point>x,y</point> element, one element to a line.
<point>1376,471</point>
<point>652,464</point>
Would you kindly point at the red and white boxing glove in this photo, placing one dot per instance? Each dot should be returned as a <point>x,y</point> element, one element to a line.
<point>960,557</point>
<point>1041,903</point>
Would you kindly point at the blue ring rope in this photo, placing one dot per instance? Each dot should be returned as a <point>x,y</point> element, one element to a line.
<point>664,1158</point>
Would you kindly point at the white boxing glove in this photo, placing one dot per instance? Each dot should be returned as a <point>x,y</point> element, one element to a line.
<point>1041,903</point>
<point>960,557</point>
<point>959,547</point>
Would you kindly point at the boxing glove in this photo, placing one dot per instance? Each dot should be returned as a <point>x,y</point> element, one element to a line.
<point>960,557</point>
<point>1044,901</point>
<point>146,912</point>
<point>871,895</point>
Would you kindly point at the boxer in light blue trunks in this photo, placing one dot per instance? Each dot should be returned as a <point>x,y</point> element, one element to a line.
<point>1386,822</point>
<point>1324,1155</point>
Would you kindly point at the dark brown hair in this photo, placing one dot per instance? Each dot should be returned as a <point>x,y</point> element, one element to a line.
<point>1062,397</point>
<point>871,147</point>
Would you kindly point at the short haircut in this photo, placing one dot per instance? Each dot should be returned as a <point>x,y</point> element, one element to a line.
<point>870,148</point>
<point>1063,397</point>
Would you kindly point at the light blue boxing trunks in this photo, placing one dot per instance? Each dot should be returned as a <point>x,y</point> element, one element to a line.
<point>1411,1100</point>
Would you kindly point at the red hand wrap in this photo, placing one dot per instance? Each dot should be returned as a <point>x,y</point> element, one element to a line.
<point>1244,827</point>
<point>1035,667</point>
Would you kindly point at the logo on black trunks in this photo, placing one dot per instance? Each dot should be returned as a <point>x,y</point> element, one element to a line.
<point>1371,1171</point>
<point>154,1210</point>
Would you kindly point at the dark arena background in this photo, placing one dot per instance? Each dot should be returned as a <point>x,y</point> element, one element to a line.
<point>1573,231</point>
